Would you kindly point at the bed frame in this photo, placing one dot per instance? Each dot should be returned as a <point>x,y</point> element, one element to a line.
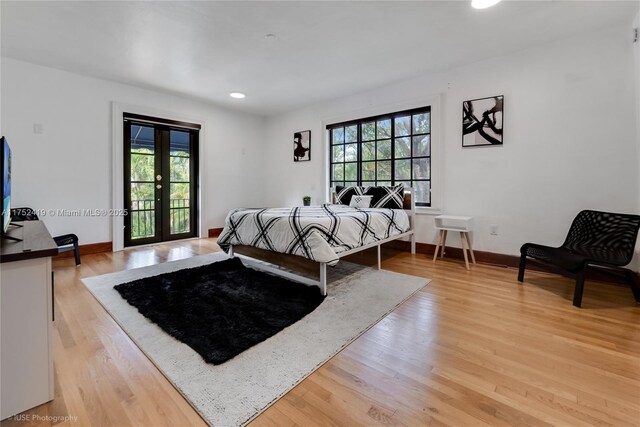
<point>313,272</point>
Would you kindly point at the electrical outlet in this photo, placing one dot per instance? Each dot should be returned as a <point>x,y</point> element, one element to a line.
<point>493,229</point>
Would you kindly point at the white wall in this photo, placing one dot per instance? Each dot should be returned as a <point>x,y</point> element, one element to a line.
<point>69,166</point>
<point>569,140</point>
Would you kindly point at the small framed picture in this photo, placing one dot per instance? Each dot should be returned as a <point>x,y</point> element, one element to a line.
<point>482,121</point>
<point>302,146</point>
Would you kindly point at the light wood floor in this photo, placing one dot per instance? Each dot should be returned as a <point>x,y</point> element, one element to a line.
<point>472,348</point>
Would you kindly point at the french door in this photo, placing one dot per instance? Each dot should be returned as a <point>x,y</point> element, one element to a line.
<point>160,180</point>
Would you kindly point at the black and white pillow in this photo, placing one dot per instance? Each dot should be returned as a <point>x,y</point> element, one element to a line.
<point>358,201</point>
<point>386,197</point>
<point>344,194</point>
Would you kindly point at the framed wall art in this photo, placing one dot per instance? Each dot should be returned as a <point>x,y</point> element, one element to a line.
<point>302,146</point>
<point>482,121</point>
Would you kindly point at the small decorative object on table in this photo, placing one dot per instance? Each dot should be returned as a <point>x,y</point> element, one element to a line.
<point>306,200</point>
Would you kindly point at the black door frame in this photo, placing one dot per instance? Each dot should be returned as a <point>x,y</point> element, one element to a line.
<point>162,162</point>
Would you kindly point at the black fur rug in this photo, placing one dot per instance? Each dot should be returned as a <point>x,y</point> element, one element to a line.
<point>221,309</point>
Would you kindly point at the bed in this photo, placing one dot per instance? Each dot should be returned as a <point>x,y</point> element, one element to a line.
<point>300,242</point>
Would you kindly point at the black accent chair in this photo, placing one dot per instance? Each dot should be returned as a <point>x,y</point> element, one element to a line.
<point>66,242</point>
<point>600,239</point>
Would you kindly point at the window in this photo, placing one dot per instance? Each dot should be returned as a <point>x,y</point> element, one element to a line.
<point>384,150</point>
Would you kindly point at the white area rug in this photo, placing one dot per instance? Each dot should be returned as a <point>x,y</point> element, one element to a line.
<point>237,391</point>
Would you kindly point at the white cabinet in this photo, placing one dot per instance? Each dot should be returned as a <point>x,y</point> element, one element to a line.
<point>26,353</point>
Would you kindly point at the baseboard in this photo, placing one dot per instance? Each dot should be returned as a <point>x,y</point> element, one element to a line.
<point>88,249</point>
<point>215,232</point>
<point>492,258</point>
<point>502,260</point>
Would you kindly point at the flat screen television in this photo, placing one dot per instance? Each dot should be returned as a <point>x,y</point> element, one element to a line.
<point>6,184</point>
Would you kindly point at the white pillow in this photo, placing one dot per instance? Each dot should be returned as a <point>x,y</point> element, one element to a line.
<point>358,201</point>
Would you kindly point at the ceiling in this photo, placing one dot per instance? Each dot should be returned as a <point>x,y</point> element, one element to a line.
<point>321,50</point>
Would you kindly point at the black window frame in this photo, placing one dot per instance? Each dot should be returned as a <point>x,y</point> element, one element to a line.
<point>359,123</point>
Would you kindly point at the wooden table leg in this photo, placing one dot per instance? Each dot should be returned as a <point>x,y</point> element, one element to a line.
<point>473,257</point>
<point>444,243</point>
<point>464,249</point>
<point>435,255</point>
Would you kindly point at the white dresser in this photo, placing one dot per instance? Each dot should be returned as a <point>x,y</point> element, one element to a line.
<point>26,319</point>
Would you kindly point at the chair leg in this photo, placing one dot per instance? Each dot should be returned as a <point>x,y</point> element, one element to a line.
<point>76,252</point>
<point>635,287</point>
<point>577,295</point>
<point>523,264</point>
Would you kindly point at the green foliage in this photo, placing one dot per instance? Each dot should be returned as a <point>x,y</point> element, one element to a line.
<point>143,192</point>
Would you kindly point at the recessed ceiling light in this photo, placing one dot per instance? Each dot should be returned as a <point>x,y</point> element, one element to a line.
<point>483,4</point>
<point>237,95</point>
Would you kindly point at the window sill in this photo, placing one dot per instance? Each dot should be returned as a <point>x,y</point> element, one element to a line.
<point>428,211</point>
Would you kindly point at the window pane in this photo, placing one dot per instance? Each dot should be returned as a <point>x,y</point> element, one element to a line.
<point>143,224</point>
<point>351,133</point>
<point>369,151</point>
<point>384,149</point>
<point>179,220</point>
<point>336,183</point>
<point>351,152</point>
<point>338,172</point>
<point>383,183</point>
<point>402,126</point>
<point>351,171</point>
<point>179,203</point>
<point>337,136</point>
<point>369,171</point>
<point>369,131</point>
<point>402,169</point>
<point>421,168</point>
<point>179,167</point>
<point>179,195</point>
<point>384,129</point>
<point>421,123</point>
<point>421,145</point>
<point>142,167</point>
<point>403,148</point>
<point>369,184</point>
<point>179,143</point>
<point>142,195</point>
<point>142,139</point>
<point>423,191</point>
<point>384,170</point>
<point>407,184</point>
<point>338,153</point>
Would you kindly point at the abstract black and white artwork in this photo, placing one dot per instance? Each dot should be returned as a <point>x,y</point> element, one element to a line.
<point>302,146</point>
<point>482,121</point>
